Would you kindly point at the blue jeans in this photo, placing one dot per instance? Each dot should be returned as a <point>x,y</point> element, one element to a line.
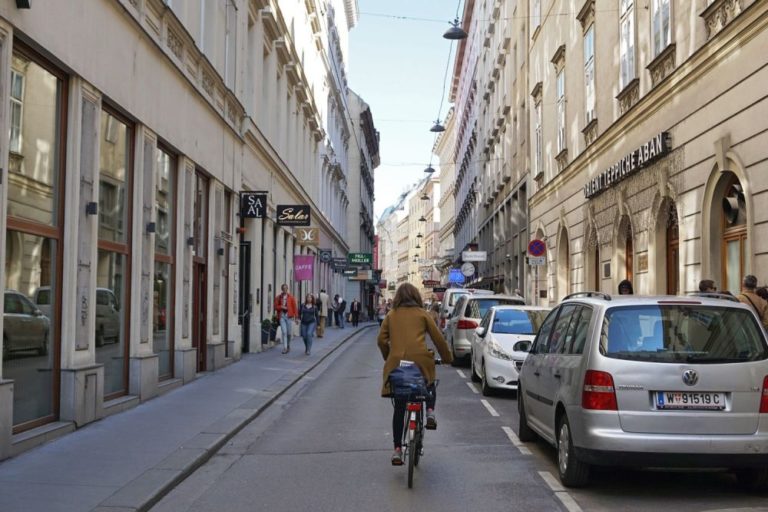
<point>285,327</point>
<point>307,332</point>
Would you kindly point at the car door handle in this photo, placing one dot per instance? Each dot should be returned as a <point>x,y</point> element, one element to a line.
<point>557,375</point>
<point>536,373</point>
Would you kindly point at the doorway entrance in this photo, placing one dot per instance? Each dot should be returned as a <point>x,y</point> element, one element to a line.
<point>199,313</point>
<point>245,299</point>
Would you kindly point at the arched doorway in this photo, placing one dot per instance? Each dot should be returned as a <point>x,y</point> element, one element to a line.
<point>563,265</point>
<point>625,250</point>
<point>592,255</point>
<point>667,249</point>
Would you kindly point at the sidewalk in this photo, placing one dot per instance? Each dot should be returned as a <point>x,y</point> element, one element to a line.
<point>129,460</point>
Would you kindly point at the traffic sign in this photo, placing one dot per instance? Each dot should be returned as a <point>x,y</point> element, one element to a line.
<point>468,269</point>
<point>455,276</point>
<point>537,248</point>
<point>537,260</point>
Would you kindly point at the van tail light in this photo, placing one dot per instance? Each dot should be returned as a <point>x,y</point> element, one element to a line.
<point>466,324</point>
<point>599,393</point>
<point>764,397</point>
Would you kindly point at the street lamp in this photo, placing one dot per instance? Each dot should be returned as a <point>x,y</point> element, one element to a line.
<point>425,197</point>
<point>429,169</point>
<point>419,236</point>
<point>437,127</point>
<point>422,219</point>
<point>455,33</point>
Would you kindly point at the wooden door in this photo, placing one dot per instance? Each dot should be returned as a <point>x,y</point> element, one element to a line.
<point>199,327</point>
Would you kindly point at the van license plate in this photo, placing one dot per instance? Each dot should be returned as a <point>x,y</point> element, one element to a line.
<point>690,400</point>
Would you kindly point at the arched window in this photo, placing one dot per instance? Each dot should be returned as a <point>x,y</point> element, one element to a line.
<point>563,265</point>
<point>733,226</point>
<point>666,249</point>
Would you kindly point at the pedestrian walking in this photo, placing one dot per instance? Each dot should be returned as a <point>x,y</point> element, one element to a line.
<point>749,296</point>
<point>434,312</point>
<point>335,308</point>
<point>381,311</point>
<point>308,313</point>
<point>354,309</point>
<point>340,312</point>
<point>322,311</point>
<point>285,308</point>
<point>625,287</point>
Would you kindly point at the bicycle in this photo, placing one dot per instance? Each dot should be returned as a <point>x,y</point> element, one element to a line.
<point>412,443</point>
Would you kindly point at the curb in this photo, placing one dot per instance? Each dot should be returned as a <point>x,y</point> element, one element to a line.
<point>146,490</point>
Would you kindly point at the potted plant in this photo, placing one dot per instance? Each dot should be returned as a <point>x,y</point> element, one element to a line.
<point>273,328</point>
<point>266,327</point>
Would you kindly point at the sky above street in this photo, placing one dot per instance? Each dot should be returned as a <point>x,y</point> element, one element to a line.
<point>398,66</point>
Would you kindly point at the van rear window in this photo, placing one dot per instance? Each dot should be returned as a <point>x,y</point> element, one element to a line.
<point>682,333</point>
<point>476,308</point>
<point>455,298</point>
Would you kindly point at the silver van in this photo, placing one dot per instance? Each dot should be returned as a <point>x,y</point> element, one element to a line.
<point>649,382</point>
<point>450,297</point>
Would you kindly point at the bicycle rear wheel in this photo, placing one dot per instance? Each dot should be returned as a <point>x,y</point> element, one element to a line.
<point>417,445</point>
<point>412,455</point>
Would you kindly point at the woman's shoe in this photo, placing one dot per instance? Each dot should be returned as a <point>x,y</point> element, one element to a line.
<point>397,457</point>
<point>431,421</point>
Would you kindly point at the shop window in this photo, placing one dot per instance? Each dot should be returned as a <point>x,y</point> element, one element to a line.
<point>112,278</point>
<point>32,302</point>
<point>163,293</point>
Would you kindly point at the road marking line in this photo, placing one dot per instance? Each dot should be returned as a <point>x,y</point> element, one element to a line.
<point>551,481</point>
<point>568,501</point>
<point>473,388</point>
<point>489,407</point>
<point>461,374</point>
<point>516,441</point>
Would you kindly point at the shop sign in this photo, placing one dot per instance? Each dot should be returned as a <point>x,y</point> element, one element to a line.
<point>303,266</point>
<point>293,215</point>
<point>339,263</point>
<point>391,287</point>
<point>361,275</point>
<point>253,205</point>
<point>307,236</point>
<point>349,272</point>
<point>455,276</point>
<point>642,157</point>
<point>438,289</point>
<point>430,283</point>
<point>383,284</point>
<point>326,255</point>
<point>474,256</point>
<point>360,258</point>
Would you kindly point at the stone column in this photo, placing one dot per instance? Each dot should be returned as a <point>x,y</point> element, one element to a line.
<point>82,380</point>
<point>185,362</point>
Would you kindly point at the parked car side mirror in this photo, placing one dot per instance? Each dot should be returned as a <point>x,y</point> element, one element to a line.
<point>37,312</point>
<point>522,346</point>
<point>480,331</point>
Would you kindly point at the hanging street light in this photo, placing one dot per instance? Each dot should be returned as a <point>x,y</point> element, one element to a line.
<point>455,33</point>
<point>425,197</point>
<point>437,127</point>
<point>422,219</point>
<point>418,246</point>
<point>419,236</point>
<point>429,169</point>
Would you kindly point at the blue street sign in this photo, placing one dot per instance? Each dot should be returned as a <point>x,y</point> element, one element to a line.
<point>455,276</point>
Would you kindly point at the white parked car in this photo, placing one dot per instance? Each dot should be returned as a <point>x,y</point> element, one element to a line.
<point>501,343</point>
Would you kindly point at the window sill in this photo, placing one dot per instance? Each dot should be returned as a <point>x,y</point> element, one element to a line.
<point>662,65</point>
<point>629,95</point>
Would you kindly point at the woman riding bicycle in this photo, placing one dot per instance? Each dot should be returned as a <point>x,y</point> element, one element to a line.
<point>403,337</point>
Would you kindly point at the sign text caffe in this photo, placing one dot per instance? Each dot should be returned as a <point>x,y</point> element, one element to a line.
<point>642,157</point>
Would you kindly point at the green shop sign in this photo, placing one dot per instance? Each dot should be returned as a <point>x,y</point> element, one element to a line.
<point>360,258</point>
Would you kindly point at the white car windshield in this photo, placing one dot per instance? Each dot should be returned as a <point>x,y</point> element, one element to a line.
<point>676,333</point>
<point>516,321</point>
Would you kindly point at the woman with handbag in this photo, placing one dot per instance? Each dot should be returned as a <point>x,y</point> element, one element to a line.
<point>308,314</point>
<point>403,337</point>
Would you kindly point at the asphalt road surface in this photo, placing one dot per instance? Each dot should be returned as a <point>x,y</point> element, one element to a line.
<point>325,446</point>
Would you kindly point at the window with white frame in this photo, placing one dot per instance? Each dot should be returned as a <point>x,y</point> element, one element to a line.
<point>589,72</point>
<point>661,25</point>
<point>17,108</point>
<point>535,13</point>
<point>627,43</point>
<point>561,110</point>
<point>539,140</point>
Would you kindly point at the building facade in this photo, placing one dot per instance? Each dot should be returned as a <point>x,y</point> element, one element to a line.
<point>128,265</point>
<point>654,172</point>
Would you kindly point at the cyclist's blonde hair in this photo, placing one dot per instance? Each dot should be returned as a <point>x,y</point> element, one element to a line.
<point>407,295</point>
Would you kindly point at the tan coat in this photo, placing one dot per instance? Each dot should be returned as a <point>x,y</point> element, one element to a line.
<point>757,303</point>
<point>403,336</point>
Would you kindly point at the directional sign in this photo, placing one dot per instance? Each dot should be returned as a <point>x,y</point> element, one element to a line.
<point>537,248</point>
<point>455,276</point>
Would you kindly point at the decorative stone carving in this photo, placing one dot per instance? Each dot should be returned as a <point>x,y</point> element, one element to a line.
<point>586,15</point>
<point>663,65</point>
<point>207,83</point>
<point>719,13</point>
<point>175,44</point>
<point>590,132</point>
<point>562,160</point>
<point>629,96</point>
